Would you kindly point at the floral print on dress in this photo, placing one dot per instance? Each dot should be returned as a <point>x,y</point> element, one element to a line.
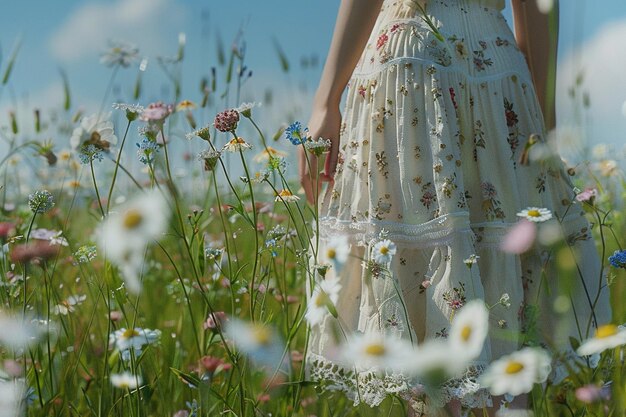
<point>491,204</point>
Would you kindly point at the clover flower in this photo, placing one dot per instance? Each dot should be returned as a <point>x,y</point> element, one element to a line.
<point>227,120</point>
<point>40,201</point>
<point>618,259</point>
<point>295,134</point>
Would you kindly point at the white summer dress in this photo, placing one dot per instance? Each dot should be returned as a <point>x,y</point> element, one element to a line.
<point>430,151</point>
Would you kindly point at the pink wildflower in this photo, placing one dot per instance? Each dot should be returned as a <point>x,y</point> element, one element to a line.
<point>519,238</point>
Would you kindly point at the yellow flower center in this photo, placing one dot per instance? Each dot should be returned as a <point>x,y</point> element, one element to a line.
<point>514,367</point>
<point>331,253</point>
<point>285,193</point>
<point>128,333</point>
<point>375,349</point>
<point>262,335</point>
<point>466,333</point>
<point>534,213</point>
<point>132,219</point>
<point>321,298</point>
<point>607,330</point>
<point>384,250</point>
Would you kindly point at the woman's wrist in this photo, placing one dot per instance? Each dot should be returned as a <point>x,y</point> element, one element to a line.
<point>326,100</point>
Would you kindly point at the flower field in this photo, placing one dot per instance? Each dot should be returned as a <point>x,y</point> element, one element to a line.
<point>130,289</point>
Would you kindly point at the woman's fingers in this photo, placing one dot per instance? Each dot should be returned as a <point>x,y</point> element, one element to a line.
<point>309,177</point>
<point>331,160</point>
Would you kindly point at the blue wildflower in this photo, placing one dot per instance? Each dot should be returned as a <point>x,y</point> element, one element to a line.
<point>272,246</point>
<point>296,134</point>
<point>89,153</point>
<point>618,259</point>
<point>146,150</point>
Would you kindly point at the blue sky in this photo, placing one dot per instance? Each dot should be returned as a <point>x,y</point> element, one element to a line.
<point>70,34</point>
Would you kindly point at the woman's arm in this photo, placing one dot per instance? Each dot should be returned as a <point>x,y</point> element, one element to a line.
<point>355,21</point>
<point>539,45</point>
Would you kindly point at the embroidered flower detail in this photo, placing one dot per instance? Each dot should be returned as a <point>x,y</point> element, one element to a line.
<point>382,40</point>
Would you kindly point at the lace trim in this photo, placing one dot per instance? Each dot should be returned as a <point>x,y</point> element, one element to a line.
<point>435,232</point>
<point>371,388</point>
<point>470,78</point>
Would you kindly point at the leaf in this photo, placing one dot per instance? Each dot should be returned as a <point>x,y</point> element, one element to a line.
<point>67,99</point>
<point>9,69</point>
<point>284,62</point>
<point>187,378</point>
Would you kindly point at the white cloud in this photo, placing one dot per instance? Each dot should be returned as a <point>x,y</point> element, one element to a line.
<point>147,23</point>
<point>601,60</point>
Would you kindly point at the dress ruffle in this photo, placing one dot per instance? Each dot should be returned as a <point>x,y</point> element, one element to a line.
<point>431,152</point>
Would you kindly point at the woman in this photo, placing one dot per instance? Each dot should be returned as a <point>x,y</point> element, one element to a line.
<point>435,148</point>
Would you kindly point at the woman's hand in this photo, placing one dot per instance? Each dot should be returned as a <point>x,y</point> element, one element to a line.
<point>325,122</point>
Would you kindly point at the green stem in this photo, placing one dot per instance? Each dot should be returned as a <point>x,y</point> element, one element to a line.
<point>117,165</point>
<point>95,185</point>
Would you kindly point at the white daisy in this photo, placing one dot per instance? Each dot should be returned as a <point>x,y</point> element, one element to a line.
<point>515,374</point>
<point>267,153</point>
<point>120,53</point>
<point>95,130</point>
<point>373,351</point>
<point>473,259</point>
<point>535,214</point>
<point>125,234</point>
<point>383,251</point>
<point>436,361</point>
<point>323,300</point>
<point>286,196</point>
<point>126,339</point>
<point>16,332</point>
<point>607,336</point>
<point>69,306</point>
<point>260,342</point>
<point>336,251</point>
<point>13,397</point>
<point>126,380</point>
<point>245,109</point>
<point>236,144</point>
<point>469,329</point>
